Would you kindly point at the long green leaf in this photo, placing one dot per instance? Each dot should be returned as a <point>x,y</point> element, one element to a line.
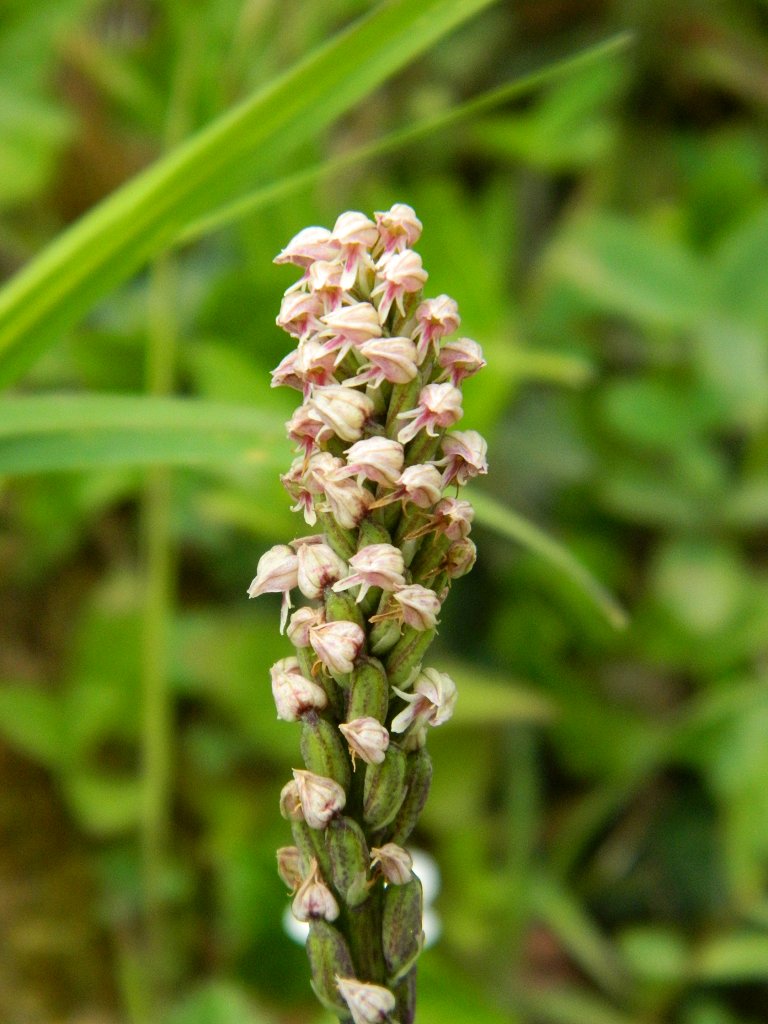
<point>141,218</point>
<point>259,198</point>
<point>45,433</point>
<point>509,524</point>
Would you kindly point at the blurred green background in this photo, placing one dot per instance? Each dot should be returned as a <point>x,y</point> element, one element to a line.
<point>600,806</point>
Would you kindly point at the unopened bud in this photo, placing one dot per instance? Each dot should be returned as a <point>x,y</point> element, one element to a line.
<point>367,739</point>
<point>314,899</point>
<point>395,863</point>
<point>368,1003</point>
<point>460,558</point>
<point>321,798</point>
<point>418,777</point>
<point>404,660</point>
<point>294,695</point>
<point>289,866</point>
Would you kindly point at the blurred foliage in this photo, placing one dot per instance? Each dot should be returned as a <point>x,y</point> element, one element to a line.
<point>600,807</point>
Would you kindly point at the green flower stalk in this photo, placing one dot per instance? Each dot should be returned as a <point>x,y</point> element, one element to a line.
<point>381,386</point>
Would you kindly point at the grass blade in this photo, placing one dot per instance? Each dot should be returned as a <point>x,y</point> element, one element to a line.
<point>141,218</point>
<point>509,524</point>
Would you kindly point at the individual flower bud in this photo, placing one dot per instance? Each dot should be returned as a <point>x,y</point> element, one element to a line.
<point>337,645</point>
<point>294,695</point>
<point>307,429</point>
<point>319,566</point>
<point>431,702</point>
<point>398,273</point>
<point>320,798</point>
<point>464,456</point>
<point>289,866</point>
<point>375,458</point>
<point>367,739</point>
<point>290,802</point>
<point>349,860</point>
<point>460,558</point>
<point>355,234</point>
<point>434,319</point>
<point>419,606</point>
<point>314,899</point>
<point>313,243</point>
<point>384,788</point>
<point>368,1003</point>
<point>324,280</point>
<point>395,863</point>
<point>439,406</point>
<point>392,359</point>
<point>299,314</point>
<point>313,366</point>
<point>350,326</point>
<point>399,227</point>
<point>285,373</point>
<point>420,484</point>
<point>375,565</point>
<point>343,410</point>
<point>347,500</point>
<point>276,573</point>
<point>453,517</point>
<point>460,359</point>
<point>301,622</point>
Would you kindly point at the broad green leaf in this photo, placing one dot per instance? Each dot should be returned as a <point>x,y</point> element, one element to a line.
<point>624,267</point>
<point>43,433</point>
<point>104,806</point>
<point>728,959</point>
<point>217,1002</point>
<point>509,524</point>
<point>742,273</point>
<point>32,722</point>
<point>141,218</point>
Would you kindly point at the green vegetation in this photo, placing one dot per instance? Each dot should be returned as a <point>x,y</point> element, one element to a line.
<point>592,183</point>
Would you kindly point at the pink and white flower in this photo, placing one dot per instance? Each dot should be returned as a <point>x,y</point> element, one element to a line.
<point>277,572</point>
<point>375,458</point>
<point>314,899</point>
<point>395,862</point>
<point>460,359</point>
<point>343,411</point>
<point>299,313</point>
<point>301,622</point>
<point>399,227</point>
<point>355,234</point>
<point>337,644</point>
<point>464,456</point>
<point>392,359</point>
<point>398,274</point>
<point>375,565</point>
<point>419,606</point>
<point>439,406</point>
<point>310,244</point>
<point>431,702</point>
<point>368,1003</point>
<point>367,739</point>
<point>320,798</point>
<point>319,567</point>
<point>348,327</point>
<point>294,694</point>
<point>435,318</point>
